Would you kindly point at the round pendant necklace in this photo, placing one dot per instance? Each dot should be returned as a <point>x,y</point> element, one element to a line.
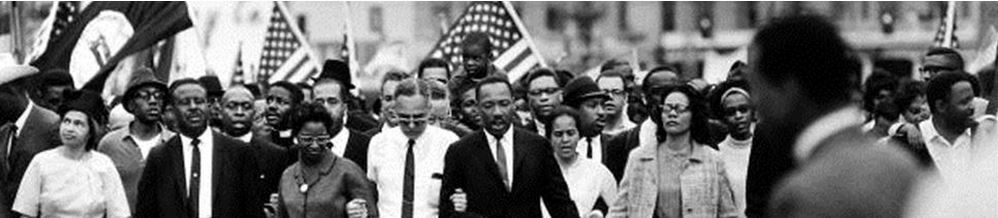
<point>303,186</point>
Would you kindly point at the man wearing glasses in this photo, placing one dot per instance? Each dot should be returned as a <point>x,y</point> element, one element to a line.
<point>543,95</point>
<point>613,83</point>
<point>128,147</point>
<point>406,163</point>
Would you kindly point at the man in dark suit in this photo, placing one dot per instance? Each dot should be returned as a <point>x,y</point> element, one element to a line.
<point>27,130</point>
<point>357,119</point>
<point>198,173</point>
<point>237,120</point>
<point>807,74</point>
<point>502,171</point>
<point>346,142</point>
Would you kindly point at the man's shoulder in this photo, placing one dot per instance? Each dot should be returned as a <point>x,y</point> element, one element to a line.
<point>112,138</point>
<point>360,137</point>
<point>265,145</point>
<point>527,136</point>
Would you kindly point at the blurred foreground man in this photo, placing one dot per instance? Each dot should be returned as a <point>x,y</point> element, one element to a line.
<point>804,71</point>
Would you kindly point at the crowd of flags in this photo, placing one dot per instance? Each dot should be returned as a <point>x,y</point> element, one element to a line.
<point>286,54</point>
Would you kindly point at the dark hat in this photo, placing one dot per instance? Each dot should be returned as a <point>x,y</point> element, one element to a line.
<point>582,88</point>
<point>212,85</point>
<point>87,102</point>
<point>337,70</point>
<point>141,78</point>
<point>54,77</point>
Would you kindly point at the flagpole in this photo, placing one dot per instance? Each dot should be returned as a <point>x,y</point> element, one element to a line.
<point>950,21</point>
<point>17,37</point>
<point>298,34</point>
<point>351,47</point>
<point>526,34</point>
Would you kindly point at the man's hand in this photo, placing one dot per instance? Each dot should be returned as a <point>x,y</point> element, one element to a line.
<point>914,136</point>
<point>357,208</point>
<point>460,200</point>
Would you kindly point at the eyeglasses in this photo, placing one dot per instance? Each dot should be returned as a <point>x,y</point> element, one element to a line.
<point>411,119</point>
<point>679,108</point>
<point>740,109</point>
<point>148,96</point>
<point>616,92</point>
<point>308,140</point>
<point>549,91</point>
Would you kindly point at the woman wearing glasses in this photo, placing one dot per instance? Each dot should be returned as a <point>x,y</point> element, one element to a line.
<point>672,173</point>
<point>321,184</point>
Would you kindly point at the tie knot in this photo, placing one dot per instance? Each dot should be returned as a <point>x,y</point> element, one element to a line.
<point>589,139</point>
<point>412,142</point>
<point>195,142</point>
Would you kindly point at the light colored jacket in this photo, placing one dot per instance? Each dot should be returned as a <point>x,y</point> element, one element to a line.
<point>705,189</point>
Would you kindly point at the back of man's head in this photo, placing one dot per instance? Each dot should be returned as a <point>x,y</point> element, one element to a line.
<point>808,50</point>
<point>948,53</point>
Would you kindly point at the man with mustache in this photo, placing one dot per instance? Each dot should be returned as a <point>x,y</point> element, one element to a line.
<point>281,98</point>
<point>128,147</point>
<point>237,121</point>
<point>502,171</point>
<point>199,172</point>
<point>332,94</point>
<point>543,95</point>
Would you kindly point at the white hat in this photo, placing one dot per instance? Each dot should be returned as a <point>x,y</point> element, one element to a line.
<point>10,71</point>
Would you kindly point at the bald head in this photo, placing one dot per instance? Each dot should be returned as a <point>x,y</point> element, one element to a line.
<point>237,111</point>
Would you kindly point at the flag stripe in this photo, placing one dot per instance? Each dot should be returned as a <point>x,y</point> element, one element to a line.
<point>301,72</point>
<point>282,71</point>
<point>517,61</point>
<point>511,53</point>
<point>522,68</point>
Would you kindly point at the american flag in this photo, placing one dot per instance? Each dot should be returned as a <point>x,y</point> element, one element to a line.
<point>286,55</point>
<point>946,36</point>
<point>512,47</point>
<point>60,16</point>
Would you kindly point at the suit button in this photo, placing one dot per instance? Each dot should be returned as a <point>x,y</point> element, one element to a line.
<point>689,210</point>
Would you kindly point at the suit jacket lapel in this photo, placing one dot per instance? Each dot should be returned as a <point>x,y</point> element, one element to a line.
<point>519,153</point>
<point>485,155</point>
<point>219,162</point>
<point>176,156</point>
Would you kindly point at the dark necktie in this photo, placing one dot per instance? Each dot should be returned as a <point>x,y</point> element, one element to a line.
<point>407,184</point>
<point>589,147</point>
<point>13,141</point>
<point>195,185</point>
<point>501,161</point>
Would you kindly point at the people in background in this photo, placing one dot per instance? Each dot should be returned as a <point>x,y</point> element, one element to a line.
<point>434,69</point>
<point>614,84</point>
<point>590,183</point>
<point>440,112</point>
<point>237,122</point>
<point>357,119</point>
<point>655,81</point>
<point>215,92</point>
<point>321,183</point>
<point>734,107</point>
<point>128,147</point>
<point>388,85</point>
<point>544,93</point>
<point>51,85</point>
<point>281,98</point>
<point>465,105</point>
<point>878,89</point>
<point>672,173</point>
<point>583,95</point>
<point>347,143</point>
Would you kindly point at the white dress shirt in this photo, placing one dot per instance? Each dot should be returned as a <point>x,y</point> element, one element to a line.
<point>541,128</point>
<point>597,144</point>
<point>340,141</point>
<point>206,150</point>
<point>952,159</point>
<point>245,137</point>
<point>587,181</point>
<point>386,168</point>
<point>507,146</point>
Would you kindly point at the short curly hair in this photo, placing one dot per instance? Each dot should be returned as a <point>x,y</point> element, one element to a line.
<point>309,112</point>
<point>699,126</point>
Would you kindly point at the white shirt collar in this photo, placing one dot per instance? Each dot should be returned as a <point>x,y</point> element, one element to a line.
<point>246,137</point>
<point>204,137</point>
<point>23,118</point>
<point>541,128</point>
<point>932,134</point>
<point>340,141</point>
<point>824,127</point>
<point>508,135</point>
